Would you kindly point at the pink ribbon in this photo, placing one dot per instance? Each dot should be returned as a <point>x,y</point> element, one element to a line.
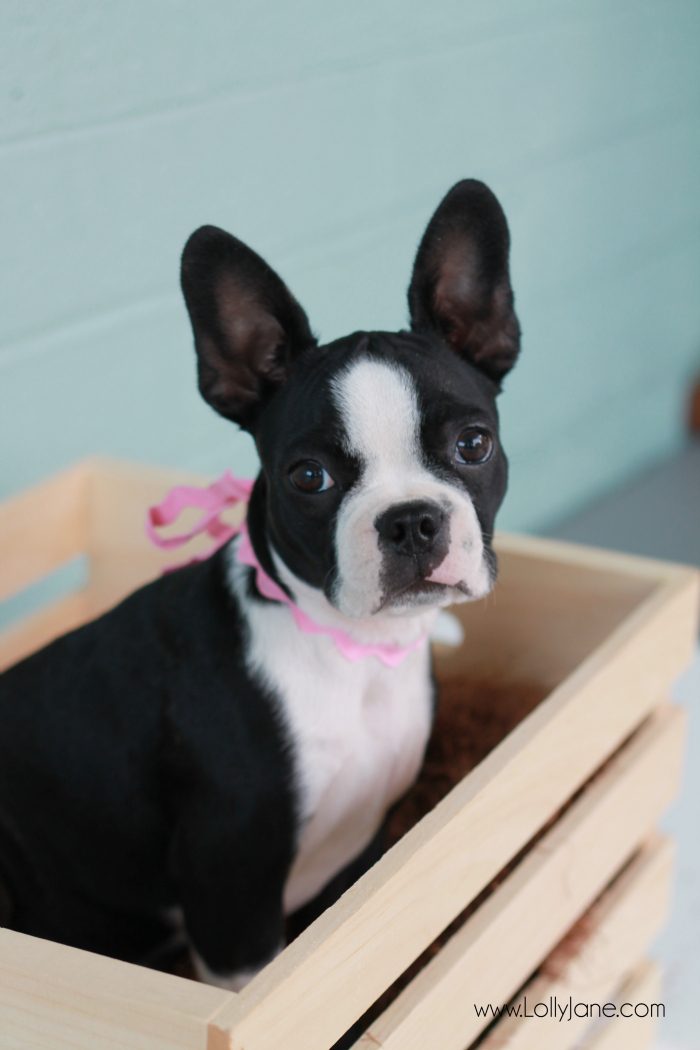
<point>225,492</point>
<point>228,491</point>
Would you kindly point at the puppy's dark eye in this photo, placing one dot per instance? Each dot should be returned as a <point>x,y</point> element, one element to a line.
<point>310,476</point>
<point>474,445</point>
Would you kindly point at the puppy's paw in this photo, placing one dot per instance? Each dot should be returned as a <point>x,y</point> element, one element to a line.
<point>233,982</point>
<point>447,630</point>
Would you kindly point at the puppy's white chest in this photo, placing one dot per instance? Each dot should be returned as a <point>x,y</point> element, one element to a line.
<point>360,734</point>
<point>359,731</point>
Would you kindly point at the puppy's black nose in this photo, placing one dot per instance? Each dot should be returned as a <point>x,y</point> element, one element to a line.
<point>411,528</point>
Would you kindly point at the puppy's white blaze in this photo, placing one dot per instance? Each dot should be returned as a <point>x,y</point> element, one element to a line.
<point>379,409</point>
<point>378,406</point>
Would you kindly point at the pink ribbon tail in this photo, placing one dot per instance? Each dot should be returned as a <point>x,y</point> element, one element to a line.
<point>226,491</point>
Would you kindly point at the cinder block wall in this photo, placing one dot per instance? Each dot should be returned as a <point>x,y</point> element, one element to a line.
<point>324,133</point>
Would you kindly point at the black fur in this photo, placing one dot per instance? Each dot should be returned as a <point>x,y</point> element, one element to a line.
<point>461,285</point>
<point>143,765</point>
<point>131,782</point>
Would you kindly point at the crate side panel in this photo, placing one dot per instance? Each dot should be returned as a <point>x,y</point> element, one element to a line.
<point>592,962</point>
<point>52,995</point>
<point>532,909</point>
<point>42,528</point>
<point>544,617</point>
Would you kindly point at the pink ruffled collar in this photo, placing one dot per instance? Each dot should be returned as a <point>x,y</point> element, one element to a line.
<point>227,491</point>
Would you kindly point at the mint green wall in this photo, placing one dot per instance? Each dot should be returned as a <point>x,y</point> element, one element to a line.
<point>324,133</point>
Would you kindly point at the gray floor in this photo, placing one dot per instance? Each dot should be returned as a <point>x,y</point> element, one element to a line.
<point>658,514</point>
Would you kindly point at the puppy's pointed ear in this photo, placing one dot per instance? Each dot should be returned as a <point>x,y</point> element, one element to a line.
<point>247,325</point>
<point>460,286</point>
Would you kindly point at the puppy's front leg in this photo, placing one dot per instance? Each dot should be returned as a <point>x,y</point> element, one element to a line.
<point>230,881</point>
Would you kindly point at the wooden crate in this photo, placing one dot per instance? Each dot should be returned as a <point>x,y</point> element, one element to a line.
<point>596,762</point>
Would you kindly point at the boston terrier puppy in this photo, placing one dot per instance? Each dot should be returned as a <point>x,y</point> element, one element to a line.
<point>204,755</point>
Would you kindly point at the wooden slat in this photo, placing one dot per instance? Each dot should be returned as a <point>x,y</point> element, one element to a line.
<point>324,981</point>
<point>58,997</point>
<point>621,1033</point>
<point>590,966</point>
<point>535,905</point>
<point>42,529</point>
<point>39,629</point>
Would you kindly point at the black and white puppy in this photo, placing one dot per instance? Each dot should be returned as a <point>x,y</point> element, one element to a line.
<point>193,753</point>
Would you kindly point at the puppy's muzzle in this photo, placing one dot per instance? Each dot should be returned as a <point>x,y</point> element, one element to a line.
<point>414,538</point>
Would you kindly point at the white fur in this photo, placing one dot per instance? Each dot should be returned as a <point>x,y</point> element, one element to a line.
<point>359,729</point>
<point>379,408</point>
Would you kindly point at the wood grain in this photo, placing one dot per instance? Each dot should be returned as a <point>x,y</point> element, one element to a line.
<point>616,934</point>
<point>54,996</point>
<point>532,909</point>
<point>43,528</point>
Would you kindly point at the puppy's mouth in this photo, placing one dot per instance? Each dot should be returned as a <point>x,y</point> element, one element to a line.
<point>420,591</point>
